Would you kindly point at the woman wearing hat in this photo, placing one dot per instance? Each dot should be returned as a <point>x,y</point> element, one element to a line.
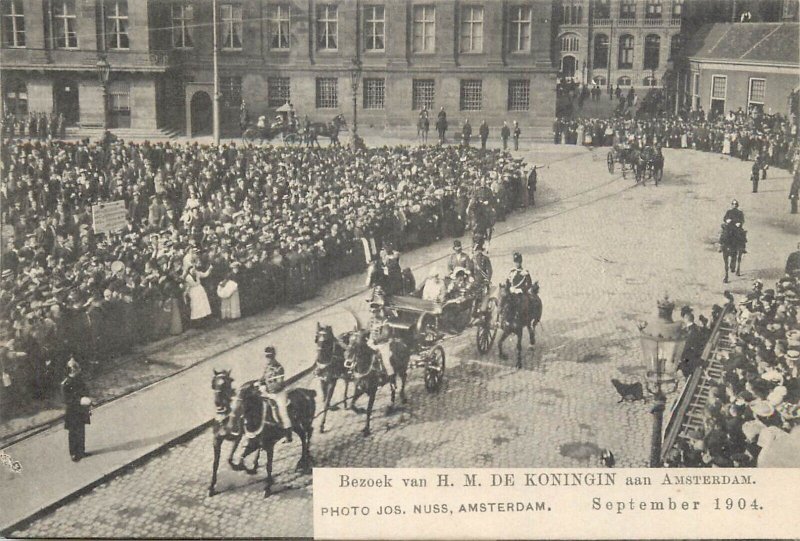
<point>199,307</point>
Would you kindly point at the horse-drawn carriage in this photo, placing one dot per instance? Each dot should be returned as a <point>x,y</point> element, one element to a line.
<point>291,131</point>
<point>647,163</point>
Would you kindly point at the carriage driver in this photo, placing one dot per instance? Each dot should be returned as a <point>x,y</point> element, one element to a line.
<point>379,334</point>
<point>458,259</point>
<point>733,214</point>
<point>271,387</point>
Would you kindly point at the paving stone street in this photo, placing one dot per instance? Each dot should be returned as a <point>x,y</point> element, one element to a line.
<point>603,251</point>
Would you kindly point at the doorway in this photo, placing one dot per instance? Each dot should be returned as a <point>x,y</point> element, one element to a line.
<point>201,110</point>
<point>568,66</point>
<point>66,102</point>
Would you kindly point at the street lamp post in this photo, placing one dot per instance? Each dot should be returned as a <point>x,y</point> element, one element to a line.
<point>662,347</point>
<point>355,79</point>
<point>103,74</point>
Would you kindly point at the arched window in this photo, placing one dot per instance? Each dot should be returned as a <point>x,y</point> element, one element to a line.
<point>16,96</point>
<point>625,52</point>
<point>650,81</point>
<point>600,51</point>
<point>599,80</point>
<point>624,81</point>
<point>652,50</point>
<point>570,43</point>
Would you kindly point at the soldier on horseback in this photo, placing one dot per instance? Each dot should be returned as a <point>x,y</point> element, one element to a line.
<point>379,335</point>
<point>734,214</point>
<point>519,284</point>
<point>271,387</point>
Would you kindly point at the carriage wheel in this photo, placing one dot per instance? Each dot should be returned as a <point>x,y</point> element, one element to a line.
<point>487,330</point>
<point>610,161</point>
<point>434,371</point>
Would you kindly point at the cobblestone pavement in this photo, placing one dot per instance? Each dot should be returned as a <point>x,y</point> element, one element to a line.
<point>602,259</point>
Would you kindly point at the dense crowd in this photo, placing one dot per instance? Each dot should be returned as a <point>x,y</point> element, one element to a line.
<point>758,402</point>
<point>773,137</point>
<point>35,125</point>
<point>205,223</point>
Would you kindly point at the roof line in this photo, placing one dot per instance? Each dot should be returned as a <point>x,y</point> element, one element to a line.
<point>748,51</point>
<point>728,29</point>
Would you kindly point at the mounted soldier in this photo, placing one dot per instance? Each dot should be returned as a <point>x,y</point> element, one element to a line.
<point>519,284</point>
<point>733,214</point>
<point>379,335</point>
<point>271,386</point>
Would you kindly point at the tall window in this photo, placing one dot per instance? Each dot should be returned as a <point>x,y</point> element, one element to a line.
<point>327,27</point>
<point>602,9</point>
<point>520,31</point>
<point>16,98</point>
<point>600,51</point>
<point>627,9</point>
<point>675,46</point>
<point>374,28</point>
<point>422,93</point>
<point>230,89</point>
<point>570,43</point>
<point>231,16</point>
<point>471,29</point>
<point>117,24</point>
<point>13,23</point>
<point>758,90</point>
<point>424,29</point>
<point>624,81</point>
<point>279,26</point>
<point>119,103</point>
<point>719,89</point>
<point>677,9</point>
<point>471,97</point>
<point>65,32</point>
<point>327,93</point>
<point>374,92</point>
<point>519,95</point>
<point>695,91</point>
<point>182,17</point>
<point>652,50</point>
<point>625,52</point>
<point>278,91</point>
<point>572,13</point>
<point>653,9</point>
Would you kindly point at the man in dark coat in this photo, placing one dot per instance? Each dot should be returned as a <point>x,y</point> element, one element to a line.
<point>505,133</point>
<point>793,263</point>
<point>532,179</point>
<point>77,410</point>
<point>794,192</point>
<point>483,131</point>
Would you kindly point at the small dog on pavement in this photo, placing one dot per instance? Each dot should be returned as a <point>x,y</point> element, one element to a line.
<point>628,391</point>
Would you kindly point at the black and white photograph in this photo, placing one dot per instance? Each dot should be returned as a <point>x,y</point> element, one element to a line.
<point>243,242</point>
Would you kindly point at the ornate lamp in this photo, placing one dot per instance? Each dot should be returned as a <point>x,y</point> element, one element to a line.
<point>355,79</point>
<point>103,69</point>
<point>662,348</point>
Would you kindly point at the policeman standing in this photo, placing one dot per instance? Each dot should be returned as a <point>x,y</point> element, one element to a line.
<point>517,133</point>
<point>505,133</point>
<point>754,176</point>
<point>77,414</point>
<point>466,132</point>
<point>483,131</point>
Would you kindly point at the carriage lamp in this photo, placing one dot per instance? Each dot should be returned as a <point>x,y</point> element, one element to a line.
<point>355,79</point>
<point>103,69</point>
<point>662,347</point>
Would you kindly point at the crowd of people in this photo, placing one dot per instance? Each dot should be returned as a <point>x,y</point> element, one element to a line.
<point>35,125</point>
<point>211,232</point>
<point>772,137</point>
<point>758,402</point>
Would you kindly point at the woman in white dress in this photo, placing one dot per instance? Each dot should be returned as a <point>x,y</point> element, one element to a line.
<point>199,308</point>
<point>228,292</point>
<point>726,145</point>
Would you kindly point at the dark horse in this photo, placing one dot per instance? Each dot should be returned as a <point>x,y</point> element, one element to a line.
<point>518,312</point>
<point>330,129</point>
<point>367,370</point>
<point>330,366</point>
<point>249,413</point>
<point>732,243</point>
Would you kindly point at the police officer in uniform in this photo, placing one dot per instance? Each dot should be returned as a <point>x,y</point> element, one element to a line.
<point>77,414</point>
<point>458,259</point>
<point>733,214</point>
<point>271,386</point>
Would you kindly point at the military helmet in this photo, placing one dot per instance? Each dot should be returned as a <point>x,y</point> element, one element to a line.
<point>517,257</point>
<point>269,351</point>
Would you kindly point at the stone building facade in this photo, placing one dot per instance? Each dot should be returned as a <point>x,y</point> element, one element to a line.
<point>489,59</point>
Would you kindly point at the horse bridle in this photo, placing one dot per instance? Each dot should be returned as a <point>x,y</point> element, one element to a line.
<point>226,391</point>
